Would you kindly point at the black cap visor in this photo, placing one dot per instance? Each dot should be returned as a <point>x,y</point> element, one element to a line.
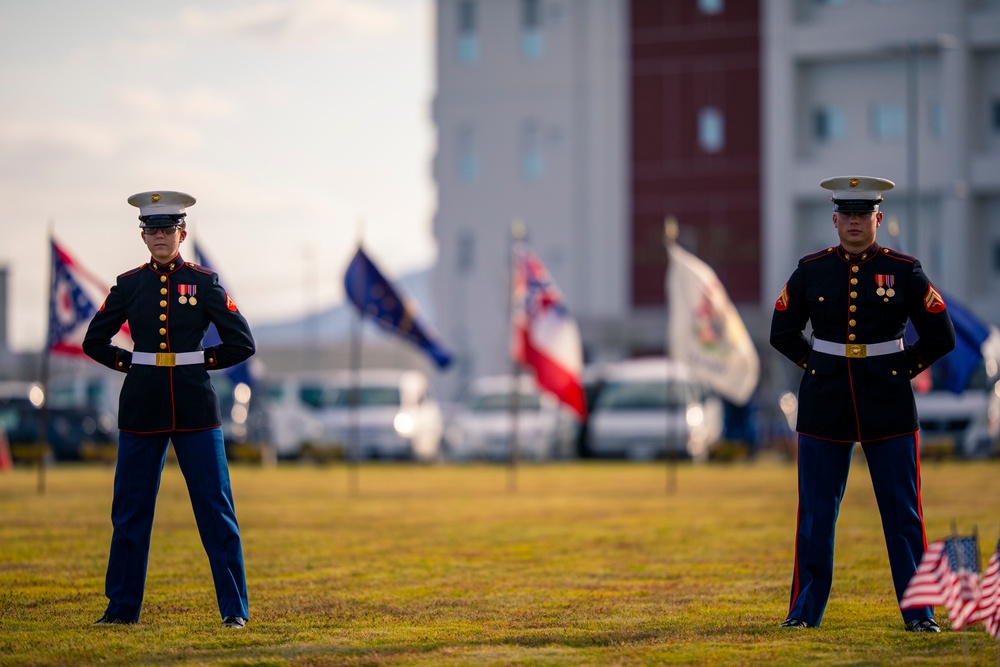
<point>160,220</point>
<point>856,205</point>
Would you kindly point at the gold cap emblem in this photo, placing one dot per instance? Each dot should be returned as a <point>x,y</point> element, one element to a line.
<point>853,183</point>
<point>155,198</point>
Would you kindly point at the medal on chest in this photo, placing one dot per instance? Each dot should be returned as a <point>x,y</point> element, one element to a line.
<point>187,294</point>
<point>885,282</point>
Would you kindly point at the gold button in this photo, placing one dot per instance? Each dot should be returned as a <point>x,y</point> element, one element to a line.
<point>120,364</point>
<point>853,323</point>
<point>814,372</point>
<point>894,372</point>
<point>854,281</point>
<point>163,332</point>
<point>864,255</point>
<point>163,304</point>
<point>172,267</point>
<point>163,290</point>
<point>854,295</point>
<point>853,307</point>
<point>886,299</point>
<point>920,365</point>
<point>821,298</point>
<point>854,269</point>
<point>163,346</point>
<point>805,365</point>
<point>211,360</point>
<point>851,337</point>
<point>163,317</point>
<point>163,279</point>
<point>885,250</point>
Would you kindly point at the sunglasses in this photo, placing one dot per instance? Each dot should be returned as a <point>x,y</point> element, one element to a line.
<point>168,231</point>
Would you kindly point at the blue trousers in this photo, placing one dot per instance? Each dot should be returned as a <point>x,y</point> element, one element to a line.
<point>894,466</point>
<point>202,459</point>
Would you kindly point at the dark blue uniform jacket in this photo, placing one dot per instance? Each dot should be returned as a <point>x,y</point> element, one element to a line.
<point>859,399</point>
<point>158,399</point>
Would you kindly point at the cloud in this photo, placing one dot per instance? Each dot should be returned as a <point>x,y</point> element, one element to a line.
<point>198,103</point>
<point>66,137</point>
<point>303,21</point>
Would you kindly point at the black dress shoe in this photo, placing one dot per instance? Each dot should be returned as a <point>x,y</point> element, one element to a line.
<point>108,619</point>
<point>795,623</point>
<point>234,622</point>
<point>923,625</point>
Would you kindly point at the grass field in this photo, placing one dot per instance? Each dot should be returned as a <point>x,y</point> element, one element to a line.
<point>584,564</point>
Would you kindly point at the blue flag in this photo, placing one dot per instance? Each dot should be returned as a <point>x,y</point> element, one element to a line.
<point>241,371</point>
<point>376,298</point>
<point>954,370</point>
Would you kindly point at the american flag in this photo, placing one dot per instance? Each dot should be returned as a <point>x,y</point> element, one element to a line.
<point>989,603</point>
<point>948,576</point>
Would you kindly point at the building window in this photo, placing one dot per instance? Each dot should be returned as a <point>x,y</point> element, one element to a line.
<point>531,29</point>
<point>711,130</point>
<point>711,6</point>
<point>468,40</point>
<point>935,119</point>
<point>888,122</point>
<point>532,162</point>
<point>468,162</point>
<point>829,124</point>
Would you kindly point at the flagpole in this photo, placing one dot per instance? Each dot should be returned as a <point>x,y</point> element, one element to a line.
<point>355,426</point>
<point>43,413</point>
<point>518,233</point>
<point>671,232</point>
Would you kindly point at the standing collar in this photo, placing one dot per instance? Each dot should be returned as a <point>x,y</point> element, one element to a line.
<point>857,258</point>
<point>172,265</point>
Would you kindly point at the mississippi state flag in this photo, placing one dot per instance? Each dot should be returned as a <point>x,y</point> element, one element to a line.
<point>546,338</point>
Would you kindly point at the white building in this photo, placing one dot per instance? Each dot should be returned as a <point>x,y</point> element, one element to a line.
<point>530,114</point>
<point>533,116</point>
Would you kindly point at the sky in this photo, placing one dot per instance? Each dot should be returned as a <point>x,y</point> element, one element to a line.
<point>300,126</point>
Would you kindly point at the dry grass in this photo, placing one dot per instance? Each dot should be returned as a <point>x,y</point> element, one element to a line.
<point>443,565</point>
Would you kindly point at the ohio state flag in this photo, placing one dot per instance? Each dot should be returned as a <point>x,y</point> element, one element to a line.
<point>72,297</point>
<point>545,337</point>
<point>705,331</point>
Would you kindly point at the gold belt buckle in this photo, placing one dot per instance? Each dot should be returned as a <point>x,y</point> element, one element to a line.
<point>857,350</point>
<point>166,359</point>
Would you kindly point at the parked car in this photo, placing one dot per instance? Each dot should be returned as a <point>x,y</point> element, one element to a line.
<point>396,415</point>
<point>290,405</point>
<point>73,432</point>
<point>652,408</point>
<point>482,426</point>
<point>965,424</point>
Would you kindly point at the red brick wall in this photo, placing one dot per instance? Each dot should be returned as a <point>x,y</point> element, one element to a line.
<point>683,60</point>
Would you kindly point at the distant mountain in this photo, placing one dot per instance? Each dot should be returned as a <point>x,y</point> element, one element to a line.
<point>334,324</point>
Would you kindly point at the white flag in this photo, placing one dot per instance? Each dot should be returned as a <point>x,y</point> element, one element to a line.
<point>705,330</point>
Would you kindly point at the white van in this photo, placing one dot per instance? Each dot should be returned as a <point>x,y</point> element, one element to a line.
<point>482,425</point>
<point>651,408</point>
<point>966,424</point>
<point>397,417</point>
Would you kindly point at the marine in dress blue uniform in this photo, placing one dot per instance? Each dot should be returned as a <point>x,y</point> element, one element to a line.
<point>167,396</point>
<point>855,388</point>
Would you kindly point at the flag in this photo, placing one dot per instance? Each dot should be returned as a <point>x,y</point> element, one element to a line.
<point>545,336</point>
<point>953,371</point>
<point>375,297</point>
<point>74,291</point>
<point>241,372</point>
<point>706,332</point>
<point>989,603</point>
<point>948,576</point>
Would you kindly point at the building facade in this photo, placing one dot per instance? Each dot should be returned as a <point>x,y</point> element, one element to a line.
<point>594,120</point>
